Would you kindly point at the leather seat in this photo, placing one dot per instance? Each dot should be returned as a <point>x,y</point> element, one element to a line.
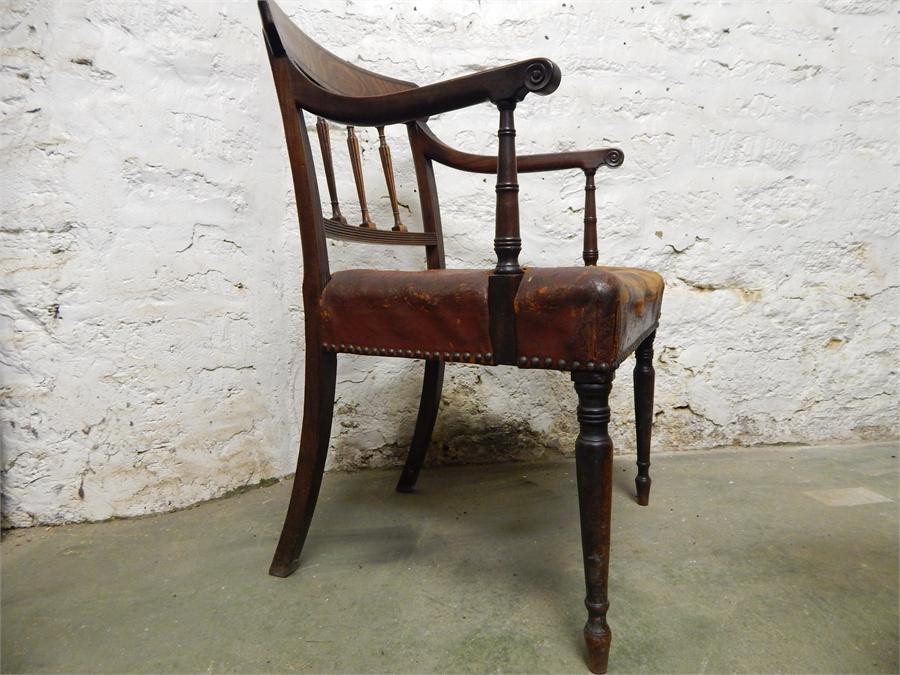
<point>568,317</point>
<point>436,312</point>
<point>565,317</point>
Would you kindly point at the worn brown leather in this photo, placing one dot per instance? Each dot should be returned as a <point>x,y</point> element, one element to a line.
<point>588,315</point>
<point>431,311</point>
<point>566,317</point>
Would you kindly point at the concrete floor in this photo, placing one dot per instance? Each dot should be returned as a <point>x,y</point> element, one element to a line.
<point>732,568</point>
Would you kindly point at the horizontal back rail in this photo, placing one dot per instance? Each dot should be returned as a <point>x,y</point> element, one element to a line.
<point>335,229</point>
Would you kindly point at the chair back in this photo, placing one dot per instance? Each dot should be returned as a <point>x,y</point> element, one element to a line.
<point>306,73</point>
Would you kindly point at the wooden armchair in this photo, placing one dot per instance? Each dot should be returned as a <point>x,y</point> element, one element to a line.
<point>584,320</point>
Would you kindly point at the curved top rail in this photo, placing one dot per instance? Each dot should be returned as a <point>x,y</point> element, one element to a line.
<point>320,65</point>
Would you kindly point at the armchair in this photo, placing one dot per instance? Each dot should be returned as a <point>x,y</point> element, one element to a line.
<point>582,320</point>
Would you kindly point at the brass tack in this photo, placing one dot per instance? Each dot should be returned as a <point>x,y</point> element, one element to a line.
<point>447,355</point>
<point>561,364</point>
<point>456,356</point>
<point>576,365</point>
<point>489,356</point>
<point>523,360</point>
<point>603,367</point>
<point>343,348</point>
<point>409,352</point>
<point>365,350</point>
<point>548,362</point>
<point>390,352</point>
<point>418,354</point>
<point>535,360</point>
<point>590,365</point>
<point>478,358</point>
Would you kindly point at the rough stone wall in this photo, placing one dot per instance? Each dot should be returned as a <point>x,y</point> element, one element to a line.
<point>151,316</point>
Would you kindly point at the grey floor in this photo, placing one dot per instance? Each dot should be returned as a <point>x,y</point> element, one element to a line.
<point>753,560</point>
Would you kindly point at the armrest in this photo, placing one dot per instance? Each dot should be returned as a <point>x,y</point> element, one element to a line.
<point>504,84</point>
<point>586,160</point>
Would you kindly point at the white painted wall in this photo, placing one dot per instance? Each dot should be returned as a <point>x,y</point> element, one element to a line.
<point>151,320</point>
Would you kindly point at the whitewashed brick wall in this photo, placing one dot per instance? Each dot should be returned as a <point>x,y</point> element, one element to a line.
<point>151,320</point>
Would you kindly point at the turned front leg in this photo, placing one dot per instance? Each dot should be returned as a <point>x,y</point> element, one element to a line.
<point>593,459</point>
<point>644,379</point>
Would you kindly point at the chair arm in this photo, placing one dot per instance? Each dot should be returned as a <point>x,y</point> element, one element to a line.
<point>508,84</point>
<point>586,160</point>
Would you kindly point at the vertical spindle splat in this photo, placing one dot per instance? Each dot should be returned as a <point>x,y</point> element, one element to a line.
<point>325,146</point>
<point>385,151</point>
<point>590,254</point>
<point>356,163</point>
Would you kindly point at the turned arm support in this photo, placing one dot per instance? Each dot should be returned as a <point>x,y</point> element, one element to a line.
<point>508,241</point>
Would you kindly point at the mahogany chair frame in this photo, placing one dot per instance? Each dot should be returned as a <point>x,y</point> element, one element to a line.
<point>308,79</point>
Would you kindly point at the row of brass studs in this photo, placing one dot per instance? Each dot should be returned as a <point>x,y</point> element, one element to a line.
<point>467,357</point>
<point>464,357</point>
<point>561,364</point>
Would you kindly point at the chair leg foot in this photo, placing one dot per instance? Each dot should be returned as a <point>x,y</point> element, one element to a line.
<point>642,486</point>
<point>318,405</point>
<point>428,408</point>
<point>597,637</point>
<point>644,380</point>
<point>283,568</point>
<point>593,460</point>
